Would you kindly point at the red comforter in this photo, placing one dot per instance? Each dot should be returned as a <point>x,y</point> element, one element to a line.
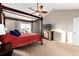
<point>21,40</point>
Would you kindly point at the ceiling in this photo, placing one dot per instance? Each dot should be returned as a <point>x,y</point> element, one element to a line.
<point>47,6</point>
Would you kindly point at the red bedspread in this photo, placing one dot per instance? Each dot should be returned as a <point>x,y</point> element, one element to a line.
<point>22,40</point>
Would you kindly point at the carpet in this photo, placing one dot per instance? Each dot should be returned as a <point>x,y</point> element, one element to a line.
<point>49,48</point>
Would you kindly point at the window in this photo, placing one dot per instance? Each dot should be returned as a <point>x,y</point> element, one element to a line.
<point>25,27</point>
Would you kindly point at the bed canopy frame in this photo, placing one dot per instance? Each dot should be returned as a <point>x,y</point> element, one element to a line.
<point>19,13</point>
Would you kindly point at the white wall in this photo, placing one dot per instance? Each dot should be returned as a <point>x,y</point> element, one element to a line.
<point>76,30</point>
<point>63,20</point>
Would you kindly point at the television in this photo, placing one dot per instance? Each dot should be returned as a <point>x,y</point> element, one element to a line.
<point>49,26</point>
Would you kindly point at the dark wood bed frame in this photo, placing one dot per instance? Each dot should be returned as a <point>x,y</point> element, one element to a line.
<point>21,12</point>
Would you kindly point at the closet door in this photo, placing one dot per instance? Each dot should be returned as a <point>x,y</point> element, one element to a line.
<point>76,30</point>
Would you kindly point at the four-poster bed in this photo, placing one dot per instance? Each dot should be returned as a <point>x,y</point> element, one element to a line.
<point>8,13</point>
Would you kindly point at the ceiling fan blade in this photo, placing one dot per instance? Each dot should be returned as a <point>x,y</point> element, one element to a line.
<point>33,13</point>
<point>32,9</point>
<point>44,12</point>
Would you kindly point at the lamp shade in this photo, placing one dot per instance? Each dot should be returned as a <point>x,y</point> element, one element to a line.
<point>2,29</point>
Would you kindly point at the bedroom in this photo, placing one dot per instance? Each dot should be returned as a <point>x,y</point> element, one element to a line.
<point>59,15</point>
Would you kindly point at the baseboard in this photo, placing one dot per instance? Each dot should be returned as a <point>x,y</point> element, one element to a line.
<point>45,38</point>
<point>77,44</point>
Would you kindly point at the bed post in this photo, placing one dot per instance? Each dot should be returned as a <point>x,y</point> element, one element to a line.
<point>42,30</point>
<point>0,13</point>
<point>3,18</point>
<point>32,26</point>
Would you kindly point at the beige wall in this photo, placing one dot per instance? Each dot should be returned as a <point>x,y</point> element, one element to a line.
<point>63,20</point>
<point>36,26</point>
<point>10,24</point>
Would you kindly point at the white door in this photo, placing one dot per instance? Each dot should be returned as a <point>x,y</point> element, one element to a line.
<point>76,30</point>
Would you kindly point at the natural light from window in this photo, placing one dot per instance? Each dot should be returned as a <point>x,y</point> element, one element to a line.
<point>26,28</point>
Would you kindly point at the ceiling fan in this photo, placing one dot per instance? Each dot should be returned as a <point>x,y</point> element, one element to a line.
<point>39,9</point>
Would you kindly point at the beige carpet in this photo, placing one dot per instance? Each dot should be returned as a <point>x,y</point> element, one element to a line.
<point>49,48</point>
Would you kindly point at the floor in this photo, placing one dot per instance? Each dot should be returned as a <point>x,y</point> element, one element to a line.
<point>49,48</point>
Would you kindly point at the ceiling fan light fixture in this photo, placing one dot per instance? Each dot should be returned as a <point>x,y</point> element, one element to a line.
<point>41,7</point>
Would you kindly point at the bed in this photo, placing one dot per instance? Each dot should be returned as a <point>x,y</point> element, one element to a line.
<point>17,15</point>
<point>22,40</point>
